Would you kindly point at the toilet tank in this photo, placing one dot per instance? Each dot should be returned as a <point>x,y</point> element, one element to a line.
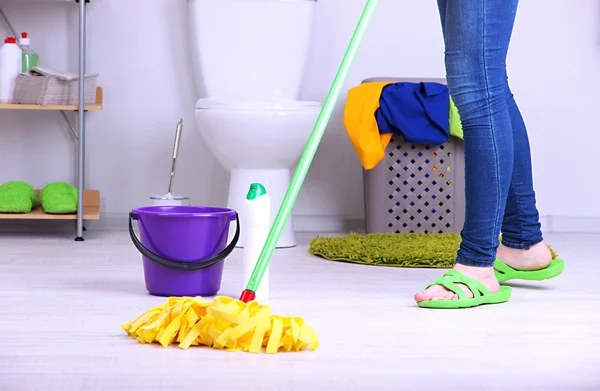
<point>250,49</point>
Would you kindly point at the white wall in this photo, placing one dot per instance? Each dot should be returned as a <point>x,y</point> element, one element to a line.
<point>554,64</point>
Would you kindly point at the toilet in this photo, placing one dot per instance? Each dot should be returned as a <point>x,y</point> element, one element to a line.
<point>249,60</point>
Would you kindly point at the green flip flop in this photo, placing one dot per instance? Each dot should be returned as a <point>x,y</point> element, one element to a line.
<point>481,295</point>
<point>504,272</point>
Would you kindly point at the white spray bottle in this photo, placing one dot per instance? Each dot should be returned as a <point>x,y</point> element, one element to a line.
<point>257,210</point>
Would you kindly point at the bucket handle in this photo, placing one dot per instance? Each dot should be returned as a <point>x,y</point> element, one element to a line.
<point>178,265</point>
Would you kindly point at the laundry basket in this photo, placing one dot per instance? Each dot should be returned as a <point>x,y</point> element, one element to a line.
<point>416,188</point>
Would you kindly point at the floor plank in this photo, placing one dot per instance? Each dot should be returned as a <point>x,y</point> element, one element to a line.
<point>62,304</point>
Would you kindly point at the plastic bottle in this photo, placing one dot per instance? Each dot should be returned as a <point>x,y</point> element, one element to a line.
<point>30,58</point>
<point>257,210</point>
<point>10,68</point>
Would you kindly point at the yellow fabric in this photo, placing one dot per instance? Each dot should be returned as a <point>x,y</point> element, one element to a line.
<point>361,125</point>
<point>224,323</point>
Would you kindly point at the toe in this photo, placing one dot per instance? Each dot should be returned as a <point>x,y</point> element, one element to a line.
<point>422,296</point>
<point>436,292</point>
<point>449,295</point>
<point>427,294</point>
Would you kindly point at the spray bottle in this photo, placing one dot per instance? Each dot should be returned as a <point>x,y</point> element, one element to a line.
<point>257,209</point>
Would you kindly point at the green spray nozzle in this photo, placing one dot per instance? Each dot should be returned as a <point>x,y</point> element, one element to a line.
<point>256,190</point>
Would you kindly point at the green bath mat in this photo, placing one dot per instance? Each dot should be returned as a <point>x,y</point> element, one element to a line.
<point>400,250</point>
<point>17,197</point>
<point>417,250</point>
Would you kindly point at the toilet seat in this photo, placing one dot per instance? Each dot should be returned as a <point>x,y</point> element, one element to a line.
<point>291,105</point>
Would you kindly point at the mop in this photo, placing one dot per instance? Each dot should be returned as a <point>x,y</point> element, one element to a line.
<point>244,324</point>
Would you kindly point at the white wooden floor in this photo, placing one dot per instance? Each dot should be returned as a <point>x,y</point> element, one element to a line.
<point>62,304</point>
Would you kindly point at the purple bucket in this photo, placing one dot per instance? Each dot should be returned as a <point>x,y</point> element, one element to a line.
<point>183,248</point>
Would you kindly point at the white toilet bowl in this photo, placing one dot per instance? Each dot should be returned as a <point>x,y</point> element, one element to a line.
<point>249,60</point>
<point>258,142</point>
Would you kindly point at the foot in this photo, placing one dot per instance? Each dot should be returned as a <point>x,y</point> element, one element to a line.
<point>536,258</point>
<point>484,275</point>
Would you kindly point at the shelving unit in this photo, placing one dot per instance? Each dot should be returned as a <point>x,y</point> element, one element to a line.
<point>88,205</point>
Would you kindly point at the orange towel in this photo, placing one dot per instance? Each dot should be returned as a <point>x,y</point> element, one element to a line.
<point>361,125</point>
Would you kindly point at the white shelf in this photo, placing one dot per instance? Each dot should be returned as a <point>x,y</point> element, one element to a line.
<point>95,107</point>
<point>91,210</point>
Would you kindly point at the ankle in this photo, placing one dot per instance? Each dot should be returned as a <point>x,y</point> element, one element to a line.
<point>518,246</point>
<point>539,248</point>
<point>475,271</point>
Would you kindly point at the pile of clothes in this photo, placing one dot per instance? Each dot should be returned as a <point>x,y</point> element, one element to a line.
<point>422,113</point>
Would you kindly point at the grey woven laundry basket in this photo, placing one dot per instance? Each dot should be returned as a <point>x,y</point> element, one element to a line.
<point>416,188</point>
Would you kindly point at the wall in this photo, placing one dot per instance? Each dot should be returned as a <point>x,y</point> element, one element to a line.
<point>139,48</point>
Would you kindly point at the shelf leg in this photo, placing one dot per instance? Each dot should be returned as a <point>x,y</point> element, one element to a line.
<point>9,25</point>
<point>81,151</point>
<point>68,121</point>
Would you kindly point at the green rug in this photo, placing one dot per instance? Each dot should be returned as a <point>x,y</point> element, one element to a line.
<point>418,250</point>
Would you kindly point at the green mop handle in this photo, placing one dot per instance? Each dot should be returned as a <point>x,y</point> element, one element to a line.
<point>308,154</point>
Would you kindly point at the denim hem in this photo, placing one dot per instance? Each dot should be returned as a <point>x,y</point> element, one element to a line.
<point>521,245</point>
<point>469,262</point>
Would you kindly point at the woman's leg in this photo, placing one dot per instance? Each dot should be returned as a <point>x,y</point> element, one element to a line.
<point>477,35</point>
<point>522,242</point>
<point>523,247</point>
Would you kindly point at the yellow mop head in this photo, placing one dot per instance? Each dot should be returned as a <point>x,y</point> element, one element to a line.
<point>224,323</point>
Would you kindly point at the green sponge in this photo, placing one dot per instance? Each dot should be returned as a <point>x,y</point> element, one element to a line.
<point>17,197</point>
<point>59,198</point>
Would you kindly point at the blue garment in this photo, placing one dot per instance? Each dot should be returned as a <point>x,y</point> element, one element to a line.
<point>498,175</point>
<point>417,111</point>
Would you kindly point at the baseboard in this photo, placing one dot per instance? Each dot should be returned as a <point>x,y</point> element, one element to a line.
<point>107,222</point>
<point>111,222</point>
<point>550,224</point>
<point>328,224</point>
<point>119,222</point>
<point>571,224</point>
<point>336,224</point>
<point>302,223</point>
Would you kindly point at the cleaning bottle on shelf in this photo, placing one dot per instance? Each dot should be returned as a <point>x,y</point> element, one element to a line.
<point>30,58</point>
<point>256,225</point>
<point>10,68</point>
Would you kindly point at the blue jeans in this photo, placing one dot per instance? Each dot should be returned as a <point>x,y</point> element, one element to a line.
<point>498,180</point>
